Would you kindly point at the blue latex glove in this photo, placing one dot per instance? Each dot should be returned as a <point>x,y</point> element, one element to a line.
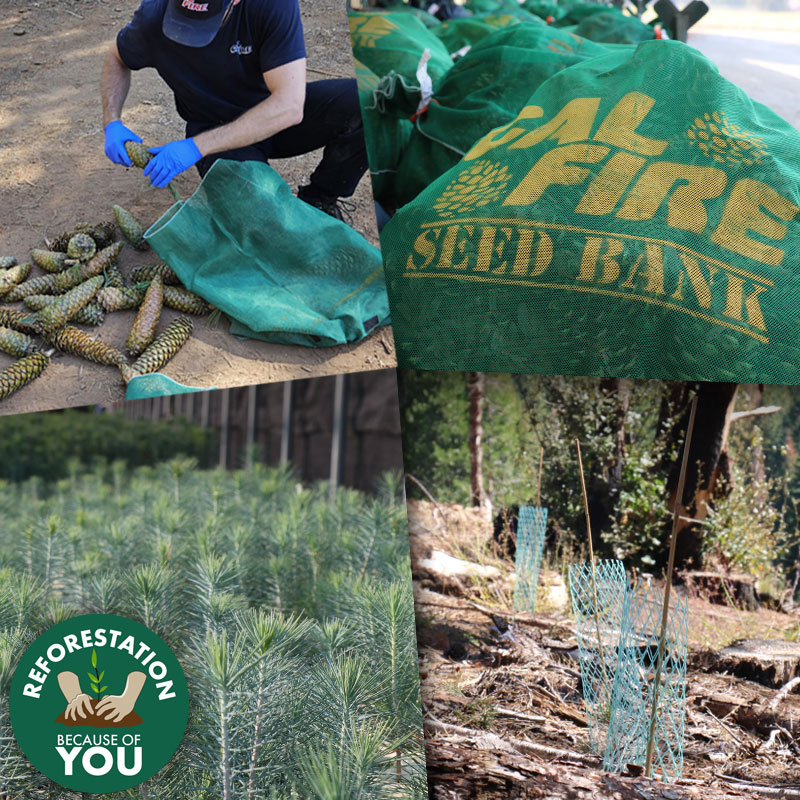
<point>170,160</point>
<point>116,136</point>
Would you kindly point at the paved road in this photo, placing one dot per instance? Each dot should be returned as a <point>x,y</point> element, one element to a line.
<point>762,58</point>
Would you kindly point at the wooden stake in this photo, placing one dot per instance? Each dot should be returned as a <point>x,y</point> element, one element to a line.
<point>676,516</point>
<point>591,556</point>
<point>539,480</point>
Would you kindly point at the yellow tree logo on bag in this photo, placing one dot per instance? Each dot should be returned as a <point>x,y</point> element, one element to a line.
<point>365,31</point>
<point>718,138</point>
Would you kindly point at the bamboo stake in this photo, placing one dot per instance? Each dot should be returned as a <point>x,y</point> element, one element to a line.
<point>539,480</point>
<point>591,557</point>
<point>676,516</point>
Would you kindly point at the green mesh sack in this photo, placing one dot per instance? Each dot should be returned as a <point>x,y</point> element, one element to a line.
<point>544,8</point>
<point>613,228</point>
<point>156,384</point>
<point>577,12</point>
<point>486,6</point>
<point>486,88</point>
<point>614,27</point>
<point>386,134</point>
<point>456,34</point>
<point>428,20</point>
<point>282,270</point>
<point>395,42</point>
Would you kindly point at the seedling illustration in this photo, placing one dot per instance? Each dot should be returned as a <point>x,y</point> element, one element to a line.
<point>108,707</point>
<point>97,677</point>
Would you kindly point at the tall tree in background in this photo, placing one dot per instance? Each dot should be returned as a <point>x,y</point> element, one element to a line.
<point>709,469</point>
<point>476,390</point>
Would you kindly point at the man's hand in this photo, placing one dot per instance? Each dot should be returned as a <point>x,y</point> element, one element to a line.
<point>170,160</point>
<point>116,136</point>
<point>78,707</point>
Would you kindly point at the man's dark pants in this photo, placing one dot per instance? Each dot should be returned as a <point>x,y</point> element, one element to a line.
<point>332,120</point>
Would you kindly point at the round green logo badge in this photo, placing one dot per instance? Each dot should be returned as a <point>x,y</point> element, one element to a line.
<point>99,704</point>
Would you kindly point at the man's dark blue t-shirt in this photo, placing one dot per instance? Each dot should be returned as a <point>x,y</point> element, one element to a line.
<point>219,82</point>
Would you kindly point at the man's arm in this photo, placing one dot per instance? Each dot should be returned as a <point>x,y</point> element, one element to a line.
<point>114,86</point>
<point>281,110</point>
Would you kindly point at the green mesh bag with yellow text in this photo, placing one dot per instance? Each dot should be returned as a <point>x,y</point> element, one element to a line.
<point>486,88</point>
<point>639,217</point>
<point>395,41</point>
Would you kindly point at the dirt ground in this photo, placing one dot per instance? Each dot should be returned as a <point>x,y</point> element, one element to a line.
<point>54,175</point>
<point>504,714</point>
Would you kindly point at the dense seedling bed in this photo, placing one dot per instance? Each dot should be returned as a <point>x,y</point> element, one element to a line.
<point>291,614</point>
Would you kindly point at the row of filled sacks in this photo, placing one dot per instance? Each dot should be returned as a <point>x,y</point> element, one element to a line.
<point>639,217</point>
<point>394,41</point>
<point>409,148</point>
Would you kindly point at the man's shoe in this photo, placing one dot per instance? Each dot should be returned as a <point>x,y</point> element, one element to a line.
<point>333,206</point>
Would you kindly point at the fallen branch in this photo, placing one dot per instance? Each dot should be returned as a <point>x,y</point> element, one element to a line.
<point>509,712</point>
<point>782,692</point>
<point>771,791</point>
<point>550,753</point>
<point>755,412</point>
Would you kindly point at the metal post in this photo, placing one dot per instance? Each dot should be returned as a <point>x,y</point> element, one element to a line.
<point>250,438</point>
<point>339,433</point>
<point>287,429</point>
<point>224,431</point>
<point>205,409</point>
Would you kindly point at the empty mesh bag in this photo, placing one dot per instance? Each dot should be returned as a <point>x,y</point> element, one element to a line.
<point>282,270</point>
<point>639,217</point>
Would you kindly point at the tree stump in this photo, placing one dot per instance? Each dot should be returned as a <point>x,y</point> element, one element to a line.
<point>770,662</point>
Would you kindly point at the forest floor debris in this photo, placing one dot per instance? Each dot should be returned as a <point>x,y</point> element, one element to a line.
<point>501,692</point>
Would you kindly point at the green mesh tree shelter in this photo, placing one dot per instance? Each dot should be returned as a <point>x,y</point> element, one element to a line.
<point>640,217</point>
<point>531,530</point>
<point>597,590</point>
<point>634,686</point>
